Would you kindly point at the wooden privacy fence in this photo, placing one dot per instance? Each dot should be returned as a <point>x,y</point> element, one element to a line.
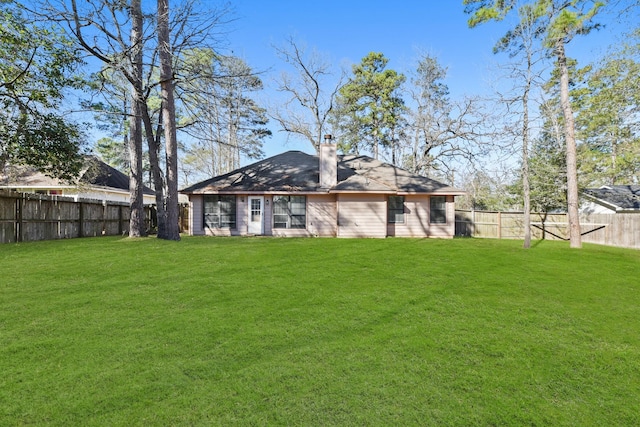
<point>27,217</point>
<point>622,229</point>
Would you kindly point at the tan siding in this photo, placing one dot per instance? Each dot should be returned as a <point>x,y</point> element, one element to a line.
<point>322,215</point>
<point>362,215</point>
<point>290,232</point>
<point>196,216</point>
<point>242,215</point>
<point>268,215</point>
<point>446,230</point>
<point>321,219</point>
<point>416,218</point>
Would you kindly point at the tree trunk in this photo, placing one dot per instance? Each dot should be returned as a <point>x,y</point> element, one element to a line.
<point>169,121</point>
<point>526,190</point>
<point>156,172</point>
<point>136,222</point>
<point>575,237</point>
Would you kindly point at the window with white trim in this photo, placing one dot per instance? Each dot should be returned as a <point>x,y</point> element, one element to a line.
<point>289,212</point>
<point>438,210</point>
<point>219,211</point>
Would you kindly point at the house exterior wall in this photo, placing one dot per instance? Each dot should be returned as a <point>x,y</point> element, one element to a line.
<point>196,215</point>
<point>588,207</point>
<point>362,215</point>
<point>448,229</point>
<point>87,192</point>
<point>341,215</point>
<point>321,218</point>
<point>416,218</point>
<point>322,215</point>
<point>268,215</point>
<point>242,215</point>
<point>196,218</point>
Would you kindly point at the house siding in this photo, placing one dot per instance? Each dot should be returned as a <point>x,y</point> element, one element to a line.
<point>448,229</point>
<point>322,215</point>
<point>342,215</point>
<point>242,215</point>
<point>362,215</point>
<point>321,218</point>
<point>268,216</point>
<point>589,207</point>
<point>196,216</point>
<point>416,218</point>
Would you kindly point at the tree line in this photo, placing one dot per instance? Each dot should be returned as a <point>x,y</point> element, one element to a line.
<point>162,89</point>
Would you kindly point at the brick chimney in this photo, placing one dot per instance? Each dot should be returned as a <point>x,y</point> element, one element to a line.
<point>328,163</point>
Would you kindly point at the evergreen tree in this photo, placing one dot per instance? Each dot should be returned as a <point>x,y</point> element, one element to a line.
<point>608,120</point>
<point>221,113</point>
<point>561,21</point>
<point>36,66</point>
<point>369,107</point>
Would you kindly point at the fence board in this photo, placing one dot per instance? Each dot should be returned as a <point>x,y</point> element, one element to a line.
<point>605,229</point>
<point>28,217</point>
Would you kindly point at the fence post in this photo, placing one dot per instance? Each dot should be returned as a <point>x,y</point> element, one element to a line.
<point>80,220</point>
<point>120,220</point>
<point>19,224</point>
<point>473,223</point>
<point>499,225</point>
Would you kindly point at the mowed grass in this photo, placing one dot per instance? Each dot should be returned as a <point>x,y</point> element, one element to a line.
<point>262,331</point>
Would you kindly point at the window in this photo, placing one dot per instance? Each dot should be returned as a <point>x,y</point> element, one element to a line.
<point>289,212</point>
<point>256,210</point>
<point>220,211</point>
<point>395,207</point>
<point>438,210</point>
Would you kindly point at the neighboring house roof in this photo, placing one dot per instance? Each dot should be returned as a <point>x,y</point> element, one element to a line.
<point>620,198</point>
<point>295,171</point>
<point>95,173</point>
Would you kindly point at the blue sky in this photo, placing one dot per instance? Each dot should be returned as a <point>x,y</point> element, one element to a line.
<point>345,31</point>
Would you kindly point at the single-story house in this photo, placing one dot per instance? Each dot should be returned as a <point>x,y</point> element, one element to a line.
<point>297,194</point>
<point>97,180</point>
<point>611,199</point>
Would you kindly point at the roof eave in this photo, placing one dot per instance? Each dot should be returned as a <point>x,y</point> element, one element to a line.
<point>433,193</point>
<point>602,202</point>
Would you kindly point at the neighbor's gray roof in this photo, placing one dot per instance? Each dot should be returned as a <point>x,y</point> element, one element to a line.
<point>295,171</point>
<point>616,197</point>
<point>94,172</point>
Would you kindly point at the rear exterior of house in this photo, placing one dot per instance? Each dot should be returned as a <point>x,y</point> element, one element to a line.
<point>296,195</point>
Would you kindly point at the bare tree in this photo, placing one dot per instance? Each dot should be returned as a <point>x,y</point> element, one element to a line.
<point>220,113</point>
<point>442,130</point>
<point>136,187</point>
<point>525,73</point>
<point>169,121</point>
<point>310,93</point>
<point>100,27</point>
<point>561,21</point>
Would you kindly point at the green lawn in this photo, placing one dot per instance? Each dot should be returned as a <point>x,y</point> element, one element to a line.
<point>265,331</point>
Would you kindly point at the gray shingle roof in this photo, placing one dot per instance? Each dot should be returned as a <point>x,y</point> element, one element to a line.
<point>617,197</point>
<point>94,172</point>
<point>295,171</point>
